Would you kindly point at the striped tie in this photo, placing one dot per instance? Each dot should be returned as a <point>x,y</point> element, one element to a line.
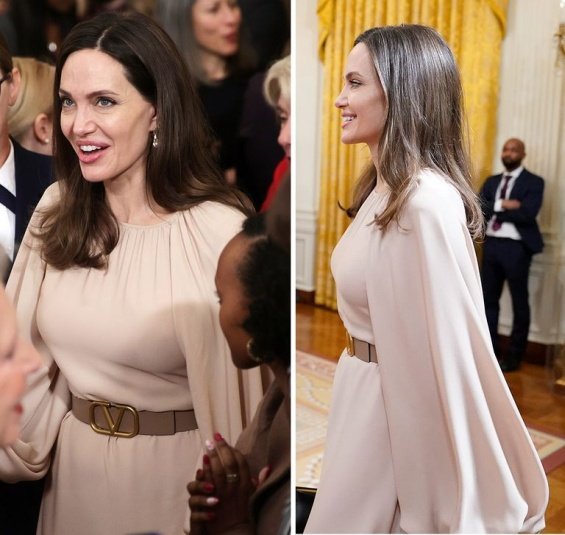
<point>496,223</point>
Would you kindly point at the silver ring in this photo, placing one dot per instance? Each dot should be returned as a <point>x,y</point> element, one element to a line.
<point>232,478</point>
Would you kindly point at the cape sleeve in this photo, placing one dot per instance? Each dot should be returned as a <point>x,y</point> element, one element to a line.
<point>47,399</point>
<point>224,397</point>
<point>462,457</point>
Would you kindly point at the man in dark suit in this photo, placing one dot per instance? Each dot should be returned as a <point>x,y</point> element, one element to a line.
<point>32,176</point>
<point>510,201</point>
<point>24,175</point>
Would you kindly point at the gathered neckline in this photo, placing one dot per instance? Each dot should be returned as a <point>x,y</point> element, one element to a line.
<point>166,220</point>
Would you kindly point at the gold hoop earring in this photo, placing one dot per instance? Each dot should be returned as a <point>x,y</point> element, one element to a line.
<point>251,353</point>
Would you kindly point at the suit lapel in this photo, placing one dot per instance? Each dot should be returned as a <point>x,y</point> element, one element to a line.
<point>519,185</point>
<point>22,194</point>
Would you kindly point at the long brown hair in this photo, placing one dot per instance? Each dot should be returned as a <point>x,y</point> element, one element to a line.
<point>180,172</point>
<point>424,123</point>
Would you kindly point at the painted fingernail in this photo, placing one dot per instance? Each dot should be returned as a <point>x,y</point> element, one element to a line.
<point>212,500</point>
<point>209,445</point>
<point>218,437</point>
<point>208,487</point>
<point>198,473</point>
<point>206,459</point>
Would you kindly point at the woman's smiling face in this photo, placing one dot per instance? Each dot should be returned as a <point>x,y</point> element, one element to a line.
<point>216,26</point>
<point>362,100</point>
<point>105,118</point>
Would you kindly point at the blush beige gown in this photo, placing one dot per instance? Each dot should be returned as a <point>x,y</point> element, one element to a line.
<point>429,440</point>
<point>144,332</point>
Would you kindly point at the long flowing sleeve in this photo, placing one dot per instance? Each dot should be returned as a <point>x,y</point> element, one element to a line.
<point>224,397</point>
<point>462,458</point>
<point>47,400</point>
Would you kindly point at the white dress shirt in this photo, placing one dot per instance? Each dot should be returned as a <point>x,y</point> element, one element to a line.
<point>7,218</point>
<point>507,229</point>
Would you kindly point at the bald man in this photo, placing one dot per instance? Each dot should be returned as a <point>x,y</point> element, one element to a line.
<point>511,202</point>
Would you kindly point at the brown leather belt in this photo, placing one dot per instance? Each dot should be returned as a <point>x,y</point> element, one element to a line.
<point>116,420</point>
<point>362,350</point>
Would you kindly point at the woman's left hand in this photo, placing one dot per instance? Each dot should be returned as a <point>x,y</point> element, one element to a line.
<point>225,470</point>
<point>202,503</point>
<point>228,471</point>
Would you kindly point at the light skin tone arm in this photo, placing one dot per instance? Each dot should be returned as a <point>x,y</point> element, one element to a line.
<point>17,360</point>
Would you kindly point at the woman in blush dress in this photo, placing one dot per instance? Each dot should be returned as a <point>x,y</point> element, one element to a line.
<point>114,284</point>
<point>423,433</point>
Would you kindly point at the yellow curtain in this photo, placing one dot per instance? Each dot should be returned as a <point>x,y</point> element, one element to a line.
<point>474,30</point>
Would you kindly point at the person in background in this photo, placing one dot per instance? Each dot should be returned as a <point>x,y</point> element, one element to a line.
<point>257,153</point>
<point>30,119</point>
<point>7,28</point>
<point>24,175</point>
<point>511,202</point>
<point>423,432</point>
<point>261,158</point>
<point>41,25</point>
<point>277,93</point>
<point>113,284</point>
<point>210,34</point>
<point>245,488</point>
<point>91,8</point>
<point>268,23</point>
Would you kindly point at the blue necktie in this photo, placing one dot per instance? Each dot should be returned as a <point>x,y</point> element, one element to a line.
<point>7,199</point>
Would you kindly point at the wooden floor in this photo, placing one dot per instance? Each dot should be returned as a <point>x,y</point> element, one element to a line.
<point>320,331</point>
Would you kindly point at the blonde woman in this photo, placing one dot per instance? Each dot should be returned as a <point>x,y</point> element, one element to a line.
<point>277,93</point>
<point>30,119</point>
<point>423,434</point>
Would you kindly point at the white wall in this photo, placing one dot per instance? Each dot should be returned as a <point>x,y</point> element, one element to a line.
<point>306,140</point>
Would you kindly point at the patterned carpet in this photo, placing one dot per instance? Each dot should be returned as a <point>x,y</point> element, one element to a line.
<point>314,376</point>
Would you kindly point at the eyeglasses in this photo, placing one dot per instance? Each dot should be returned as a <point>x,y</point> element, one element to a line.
<point>4,78</point>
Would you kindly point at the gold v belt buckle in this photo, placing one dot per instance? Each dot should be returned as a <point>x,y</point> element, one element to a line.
<point>113,428</point>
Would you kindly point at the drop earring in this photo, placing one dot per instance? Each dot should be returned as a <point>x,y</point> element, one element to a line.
<point>155,139</point>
